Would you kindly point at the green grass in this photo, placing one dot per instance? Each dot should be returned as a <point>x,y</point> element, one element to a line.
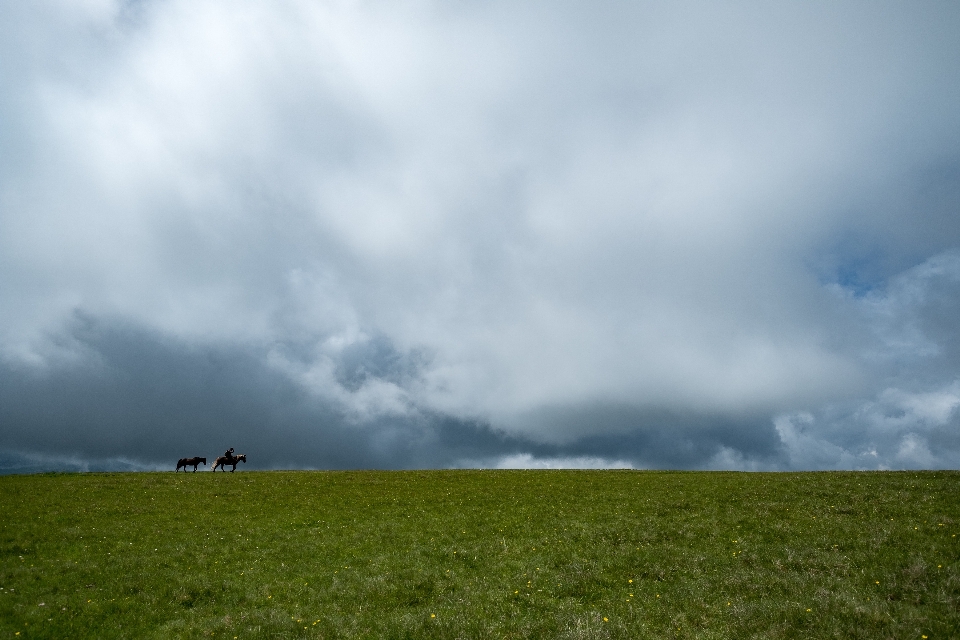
<point>490,554</point>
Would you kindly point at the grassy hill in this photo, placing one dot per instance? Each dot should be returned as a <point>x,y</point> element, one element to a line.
<point>480,554</point>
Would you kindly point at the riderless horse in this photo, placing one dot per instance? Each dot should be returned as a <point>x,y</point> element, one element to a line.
<point>186,462</point>
<point>222,461</point>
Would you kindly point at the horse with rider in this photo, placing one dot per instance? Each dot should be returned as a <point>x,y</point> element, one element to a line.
<point>229,458</point>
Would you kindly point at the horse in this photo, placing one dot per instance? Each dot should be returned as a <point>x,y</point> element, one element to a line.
<point>186,462</point>
<point>223,461</point>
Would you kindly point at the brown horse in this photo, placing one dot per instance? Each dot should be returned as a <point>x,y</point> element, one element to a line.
<point>223,461</point>
<point>186,462</point>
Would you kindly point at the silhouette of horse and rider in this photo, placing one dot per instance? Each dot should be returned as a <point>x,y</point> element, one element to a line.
<point>228,458</point>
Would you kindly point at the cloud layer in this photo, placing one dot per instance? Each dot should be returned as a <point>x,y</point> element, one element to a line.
<point>370,234</point>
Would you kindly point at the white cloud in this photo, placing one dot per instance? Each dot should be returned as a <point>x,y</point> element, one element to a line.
<point>625,204</point>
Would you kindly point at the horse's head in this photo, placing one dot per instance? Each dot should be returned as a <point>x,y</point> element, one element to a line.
<point>203,460</point>
<point>242,457</point>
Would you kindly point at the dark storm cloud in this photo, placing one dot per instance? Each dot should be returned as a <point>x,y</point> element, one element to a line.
<point>140,400</point>
<point>150,399</point>
<point>402,234</point>
<point>648,437</point>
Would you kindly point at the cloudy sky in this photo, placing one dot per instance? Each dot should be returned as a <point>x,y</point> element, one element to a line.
<point>397,234</point>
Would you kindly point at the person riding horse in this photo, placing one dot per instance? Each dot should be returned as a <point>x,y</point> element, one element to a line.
<point>228,454</point>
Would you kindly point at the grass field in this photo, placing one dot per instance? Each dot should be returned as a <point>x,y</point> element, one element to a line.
<point>480,554</point>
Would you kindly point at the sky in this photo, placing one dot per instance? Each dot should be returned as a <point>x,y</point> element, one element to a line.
<point>350,234</point>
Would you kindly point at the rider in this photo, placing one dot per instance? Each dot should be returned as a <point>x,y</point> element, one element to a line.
<point>228,454</point>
